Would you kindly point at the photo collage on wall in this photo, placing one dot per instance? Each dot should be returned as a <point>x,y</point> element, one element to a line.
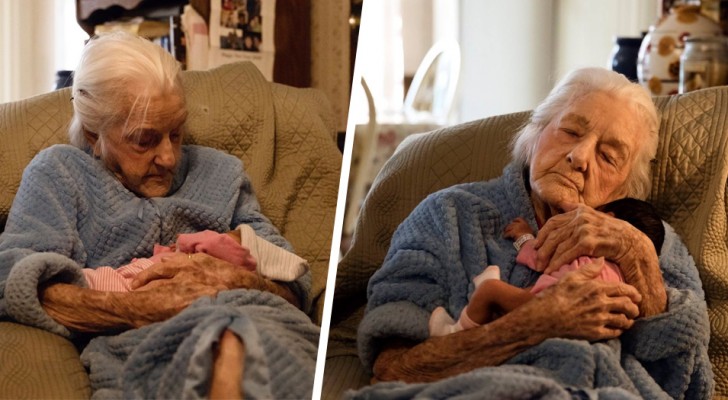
<point>241,25</point>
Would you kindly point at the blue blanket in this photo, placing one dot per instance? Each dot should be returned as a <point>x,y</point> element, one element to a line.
<point>173,360</point>
<point>452,235</point>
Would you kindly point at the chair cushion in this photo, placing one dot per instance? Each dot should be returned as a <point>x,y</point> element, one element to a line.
<point>35,364</point>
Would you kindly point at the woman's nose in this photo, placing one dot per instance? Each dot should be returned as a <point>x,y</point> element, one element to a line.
<point>578,158</point>
<point>165,154</point>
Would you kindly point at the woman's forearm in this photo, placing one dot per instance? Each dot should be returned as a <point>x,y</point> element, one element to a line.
<point>578,307</point>
<point>444,356</point>
<point>86,310</point>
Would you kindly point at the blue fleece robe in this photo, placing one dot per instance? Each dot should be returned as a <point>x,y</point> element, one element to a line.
<point>453,234</point>
<point>71,212</point>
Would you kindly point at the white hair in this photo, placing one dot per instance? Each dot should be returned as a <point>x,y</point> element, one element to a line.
<point>115,78</point>
<point>581,82</point>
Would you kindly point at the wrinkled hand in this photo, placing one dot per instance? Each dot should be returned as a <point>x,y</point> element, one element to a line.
<point>584,231</point>
<point>517,228</point>
<point>196,269</point>
<point>581,307</point>
<point>166,288</point>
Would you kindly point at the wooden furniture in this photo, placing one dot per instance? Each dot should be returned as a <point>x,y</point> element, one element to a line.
<point>292,28</point>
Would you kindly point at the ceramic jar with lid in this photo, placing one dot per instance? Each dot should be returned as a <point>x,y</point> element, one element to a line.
<point>658,65</point>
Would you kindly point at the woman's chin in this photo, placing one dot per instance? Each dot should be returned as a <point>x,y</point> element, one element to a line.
<point>152,190</point>
<point>559,199</point>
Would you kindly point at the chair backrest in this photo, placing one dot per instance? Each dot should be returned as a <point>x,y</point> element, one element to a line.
<point>689,191</point>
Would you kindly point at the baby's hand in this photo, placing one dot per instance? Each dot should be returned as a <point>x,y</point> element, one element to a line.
<point>517,228</point>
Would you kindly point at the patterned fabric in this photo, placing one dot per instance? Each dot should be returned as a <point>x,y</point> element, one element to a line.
<point>273,262</point>
<point>446,241</point>
<point>108,279</point>
<point>173,360</point>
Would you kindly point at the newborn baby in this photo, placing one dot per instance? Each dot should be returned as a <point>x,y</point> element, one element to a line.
<point>241,247</point>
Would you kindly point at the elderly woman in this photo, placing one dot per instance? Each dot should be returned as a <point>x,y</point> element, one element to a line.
<point>124,184</point>
<point>590,142</point>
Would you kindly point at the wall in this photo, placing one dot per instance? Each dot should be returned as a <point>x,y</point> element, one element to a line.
<point>585,29</point>
<point>507,54</point>
<point>515,51</point>
<point>417,32</point>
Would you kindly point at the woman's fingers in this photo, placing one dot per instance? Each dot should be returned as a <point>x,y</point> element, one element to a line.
<point>582,231</point>
<point>588,308</point>
<point>166,269</point>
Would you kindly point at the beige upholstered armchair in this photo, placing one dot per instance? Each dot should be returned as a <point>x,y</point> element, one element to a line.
<point>286,139</point>
<point>689,190</point>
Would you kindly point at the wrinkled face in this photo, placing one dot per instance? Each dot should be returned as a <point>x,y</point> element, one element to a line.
<point>145,155</point>
<point>586,153</point>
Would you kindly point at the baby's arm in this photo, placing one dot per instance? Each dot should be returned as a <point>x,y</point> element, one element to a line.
<point>517,228</point>
<point>522,234</point>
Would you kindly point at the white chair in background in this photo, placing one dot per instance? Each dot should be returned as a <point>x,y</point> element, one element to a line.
<point>364,148</point>
<point>432,92</point>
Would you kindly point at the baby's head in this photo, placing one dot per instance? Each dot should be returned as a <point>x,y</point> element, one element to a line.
<point>640,214</point>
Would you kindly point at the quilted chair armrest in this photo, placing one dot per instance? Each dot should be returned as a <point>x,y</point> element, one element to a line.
<point>35,364</point>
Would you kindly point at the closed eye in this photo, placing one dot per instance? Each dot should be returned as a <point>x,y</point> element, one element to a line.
<point>144,139</point>
<point>608,158</point>
<point>570,132</point>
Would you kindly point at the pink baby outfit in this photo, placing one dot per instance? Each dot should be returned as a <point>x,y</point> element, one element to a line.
<point>218,245</point>
<point>527,256</point>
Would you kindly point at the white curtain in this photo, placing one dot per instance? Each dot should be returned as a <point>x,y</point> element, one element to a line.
<point>380,60</point>
<point>37,38</point>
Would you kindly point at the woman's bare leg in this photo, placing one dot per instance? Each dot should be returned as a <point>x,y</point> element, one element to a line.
<point>228,368</point>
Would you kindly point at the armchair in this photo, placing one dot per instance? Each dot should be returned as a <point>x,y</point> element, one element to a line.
<point>286,139</point>
<point>689,190</point>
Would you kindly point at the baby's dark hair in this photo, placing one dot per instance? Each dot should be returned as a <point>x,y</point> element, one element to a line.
<point>640,214</point>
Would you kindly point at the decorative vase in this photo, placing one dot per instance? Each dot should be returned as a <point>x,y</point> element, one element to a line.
<point>658,65</point>
<point>624,56</point>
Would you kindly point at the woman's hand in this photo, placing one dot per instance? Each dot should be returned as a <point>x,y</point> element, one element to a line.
<point>582,307</point>
<point>578,306</point>
<point>161,292</point>
<point>202,269</point>
<point>199,268</point>
<point>585,231</point>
